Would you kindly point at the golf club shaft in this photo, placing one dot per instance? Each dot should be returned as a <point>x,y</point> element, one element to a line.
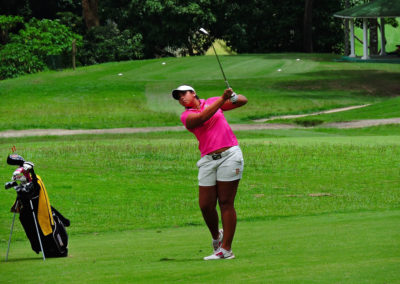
<point>220,66</point>
<point>37,230</point>
<point>219,62</point>
<point>12,227</point>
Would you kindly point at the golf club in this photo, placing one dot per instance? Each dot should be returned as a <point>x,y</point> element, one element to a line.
<point>220,66</point>
<point>12,227</point>
<point>37,230</point>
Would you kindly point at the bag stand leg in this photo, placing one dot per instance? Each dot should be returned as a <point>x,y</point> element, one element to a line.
<point>37,230</point>
<point>12,227</point>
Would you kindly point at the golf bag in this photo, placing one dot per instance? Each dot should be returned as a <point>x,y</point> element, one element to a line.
<point>43,224</point>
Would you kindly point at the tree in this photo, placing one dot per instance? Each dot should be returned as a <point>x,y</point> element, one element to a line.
<point>7,23</point>
<point>90,13</point>
<point>107,43</point>
<point>15,8</point>
<point>280,26</point>
<point>168,28</point>
<point>373,36</point>
<point>27,51</point>
<point>307,26</point>
<point>346,30</point>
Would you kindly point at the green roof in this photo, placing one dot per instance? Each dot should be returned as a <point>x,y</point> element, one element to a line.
<point>374,9</point>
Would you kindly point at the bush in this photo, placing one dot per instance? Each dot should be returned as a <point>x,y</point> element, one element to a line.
<point>7,23</point>
<point>28,50</point>
<point>47,37</point>
<point>17,60</point>
<point>107,43</point>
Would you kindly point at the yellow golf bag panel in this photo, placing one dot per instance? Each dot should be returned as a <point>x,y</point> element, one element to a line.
<point>44,214</point>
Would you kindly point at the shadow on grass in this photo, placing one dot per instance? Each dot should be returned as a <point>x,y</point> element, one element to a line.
<point>181,259</point>
<point>369,82</point>
<point>23,259</point>
<point>322,57</point>
<point>311,122</point>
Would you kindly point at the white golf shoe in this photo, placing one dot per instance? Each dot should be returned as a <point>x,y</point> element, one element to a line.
<point>220,254</point>
<point>216,244</point>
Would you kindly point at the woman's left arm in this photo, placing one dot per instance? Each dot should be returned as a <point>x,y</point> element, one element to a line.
<point>228,105</point>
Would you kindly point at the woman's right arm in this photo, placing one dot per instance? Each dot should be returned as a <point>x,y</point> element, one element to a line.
<point>194,120</point>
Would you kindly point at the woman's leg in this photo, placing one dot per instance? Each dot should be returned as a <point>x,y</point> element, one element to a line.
<point>226,191</point>
<point>208,203</point>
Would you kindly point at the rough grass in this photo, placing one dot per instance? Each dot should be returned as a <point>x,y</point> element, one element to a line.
<point>112,183</point>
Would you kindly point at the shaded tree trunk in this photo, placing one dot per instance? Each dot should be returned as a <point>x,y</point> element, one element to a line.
<point>346,31</point>
<point>3,37</point>
<point>307,27</point>
<point>89,12</point>
<point>373,36</point>
<point>190,46</point>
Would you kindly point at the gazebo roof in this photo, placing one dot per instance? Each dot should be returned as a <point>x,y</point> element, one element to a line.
<point>374,9</point>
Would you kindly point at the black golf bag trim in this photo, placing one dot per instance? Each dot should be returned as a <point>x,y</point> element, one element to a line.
<point>55,243</point>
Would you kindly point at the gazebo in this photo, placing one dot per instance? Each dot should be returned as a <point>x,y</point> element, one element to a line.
<point>376,9</point>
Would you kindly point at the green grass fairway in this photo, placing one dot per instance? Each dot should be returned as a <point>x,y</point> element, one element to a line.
<point>314,205</point>
<point>334,248</point>
<point>116,182</point>
<point>98,97</point>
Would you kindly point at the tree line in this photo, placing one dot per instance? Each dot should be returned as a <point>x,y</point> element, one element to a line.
<point>114,30</point>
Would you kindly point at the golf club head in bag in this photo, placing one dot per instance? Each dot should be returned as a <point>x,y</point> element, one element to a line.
<point>10,184</point>
<point>15,160</point>
<point>21,176</point>
<point>21,181</point>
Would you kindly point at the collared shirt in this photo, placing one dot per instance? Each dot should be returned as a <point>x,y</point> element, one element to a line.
<point>213,134</point>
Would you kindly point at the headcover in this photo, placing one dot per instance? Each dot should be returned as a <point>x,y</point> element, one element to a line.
<point>15,160</point>
<point>175,93</point>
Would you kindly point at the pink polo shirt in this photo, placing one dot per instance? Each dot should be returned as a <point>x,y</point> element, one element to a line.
<point>213,134</point>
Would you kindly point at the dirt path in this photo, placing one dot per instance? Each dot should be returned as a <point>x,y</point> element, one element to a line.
<point>310,114</point>
<point>362,123</point>
<point>259,126</point>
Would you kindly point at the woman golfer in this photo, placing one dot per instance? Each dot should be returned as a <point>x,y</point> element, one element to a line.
<point>221,163</point>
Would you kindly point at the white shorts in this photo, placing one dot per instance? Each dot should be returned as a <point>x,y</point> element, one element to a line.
<point>226,166</point>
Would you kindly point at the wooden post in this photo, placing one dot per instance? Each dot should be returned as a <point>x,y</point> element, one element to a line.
<point>73,53</point>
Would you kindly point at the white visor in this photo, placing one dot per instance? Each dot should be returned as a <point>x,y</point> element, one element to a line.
<point>175,93</point>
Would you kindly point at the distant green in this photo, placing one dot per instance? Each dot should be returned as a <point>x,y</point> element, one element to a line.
<point>137,93</point>
<point>386,109</point>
